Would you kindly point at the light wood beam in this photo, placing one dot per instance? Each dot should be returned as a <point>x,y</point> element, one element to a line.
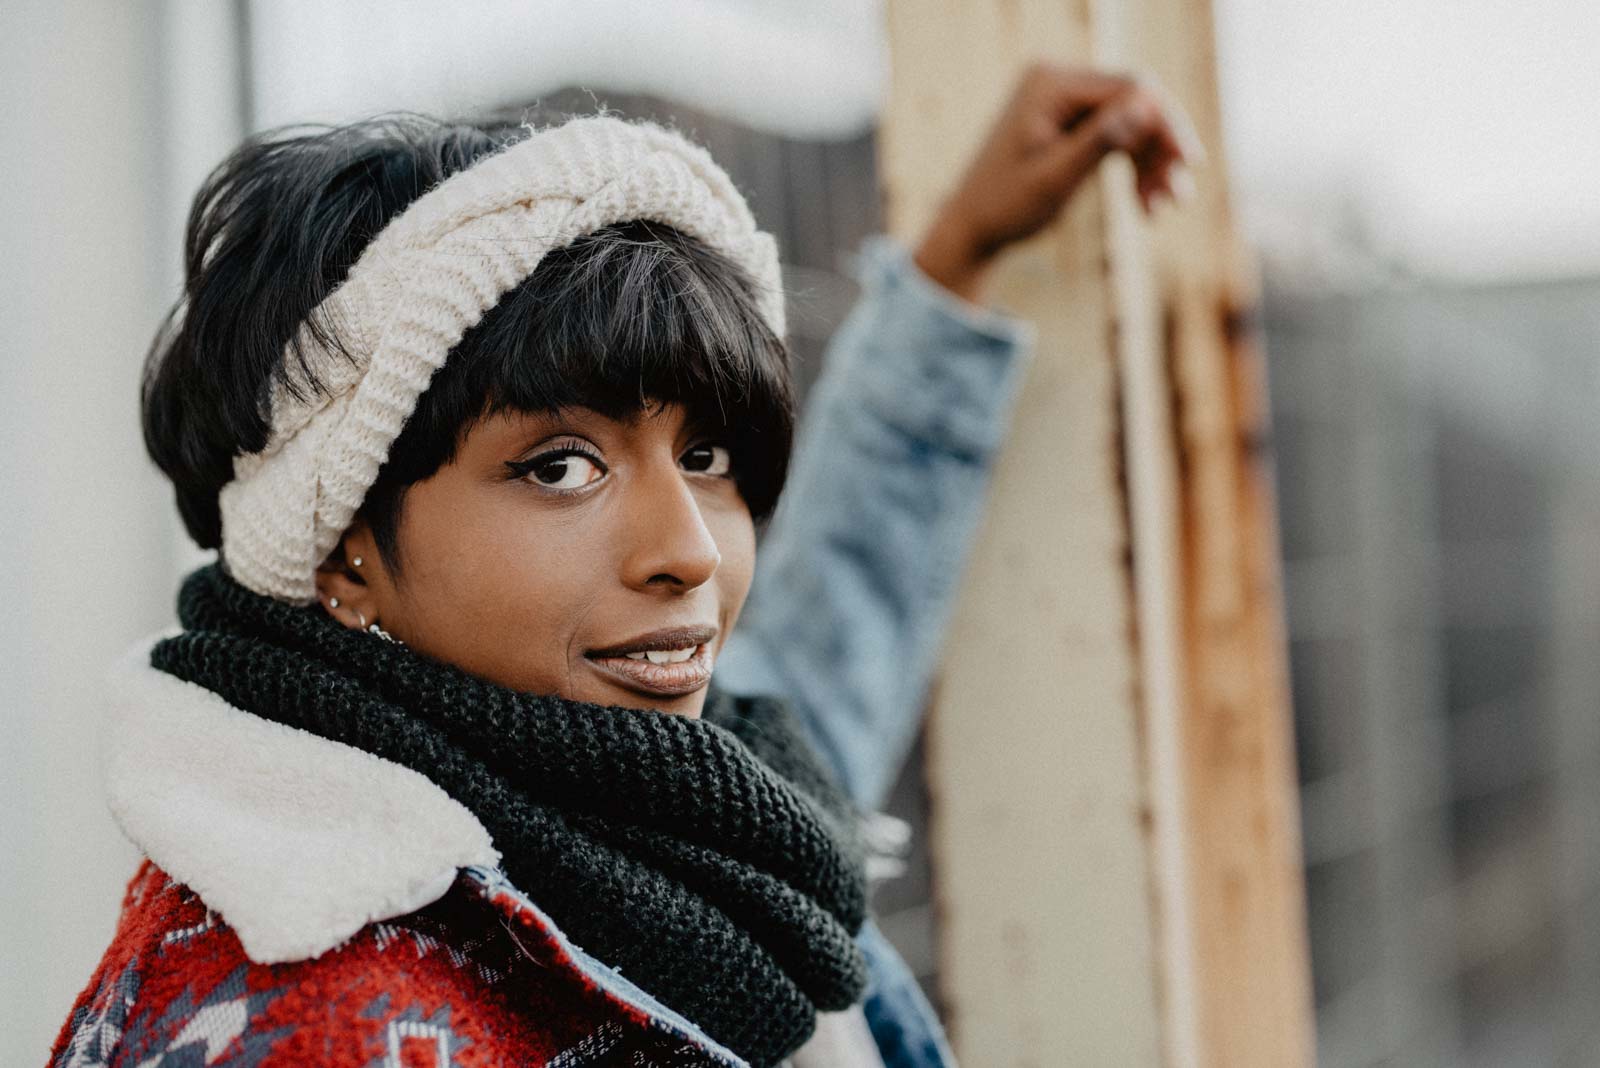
<point>1115,823</point>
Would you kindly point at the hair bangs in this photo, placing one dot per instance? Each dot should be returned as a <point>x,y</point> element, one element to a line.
<point>634,314</point>
<point>624,318</point>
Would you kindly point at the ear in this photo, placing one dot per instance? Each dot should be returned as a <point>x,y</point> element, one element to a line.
<point>350,580</point>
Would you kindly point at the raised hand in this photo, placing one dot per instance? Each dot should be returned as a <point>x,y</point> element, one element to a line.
<point>1059,123</point>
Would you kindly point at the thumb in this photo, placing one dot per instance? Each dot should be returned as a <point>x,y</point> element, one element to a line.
<point>1120,123</point>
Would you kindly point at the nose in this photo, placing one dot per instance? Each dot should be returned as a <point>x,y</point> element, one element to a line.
<point>670,544</point>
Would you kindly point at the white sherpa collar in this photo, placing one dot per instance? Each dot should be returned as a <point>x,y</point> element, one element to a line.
<point>295,840</point>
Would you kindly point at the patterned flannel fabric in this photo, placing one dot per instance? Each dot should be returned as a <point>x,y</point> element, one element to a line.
<point>475,979</point>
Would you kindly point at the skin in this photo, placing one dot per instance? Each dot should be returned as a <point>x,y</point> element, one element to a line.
<point>514,581</point>
<point>1052,133</point>
<point>515,576</point>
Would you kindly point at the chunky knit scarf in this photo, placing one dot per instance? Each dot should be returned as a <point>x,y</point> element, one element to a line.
<point>712,861</point>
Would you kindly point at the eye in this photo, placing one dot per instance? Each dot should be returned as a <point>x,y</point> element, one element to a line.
<point>561,469</point>
<point>709,458</point>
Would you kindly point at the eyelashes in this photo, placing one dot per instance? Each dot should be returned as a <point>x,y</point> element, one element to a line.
<point>558,461</point>
<point>551,468</point>
<point>721,459</point>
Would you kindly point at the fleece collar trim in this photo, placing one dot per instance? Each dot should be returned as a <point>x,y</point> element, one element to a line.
<point>297,841</point>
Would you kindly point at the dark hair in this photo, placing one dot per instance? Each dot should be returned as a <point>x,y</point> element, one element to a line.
<point>627,315</point>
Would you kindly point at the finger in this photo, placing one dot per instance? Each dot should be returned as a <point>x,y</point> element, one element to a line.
<point>1178,127</point>
<point>1124,123</point>
<point>1162,145</point>
<point>1153,188</point>
<point>1169,189</point>
<point>1148,198</point>
<point>1182,184</point>
<point>1068,94</point>
<point>1162,163</point>
<point>1155,160</point>
<point>1150,190</point>
<point>1175,182</point>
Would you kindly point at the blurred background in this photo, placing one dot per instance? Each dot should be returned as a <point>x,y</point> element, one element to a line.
<point>1418,180</point>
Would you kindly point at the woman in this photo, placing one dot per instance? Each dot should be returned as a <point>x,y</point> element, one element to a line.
<point>483,425</point>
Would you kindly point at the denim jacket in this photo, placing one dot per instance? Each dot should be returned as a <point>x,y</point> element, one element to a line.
<point>857,574</point>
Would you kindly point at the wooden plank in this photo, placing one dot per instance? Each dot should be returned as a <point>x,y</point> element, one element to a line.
<point>1114,822</point>
<point>1042,875</point>
<point>1245,894</point>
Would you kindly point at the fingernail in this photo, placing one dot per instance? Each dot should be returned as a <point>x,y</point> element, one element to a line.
<point>1193,150</point>
<point>1119,129</point>
<point>1126,123</point>
<point>1182,182</point>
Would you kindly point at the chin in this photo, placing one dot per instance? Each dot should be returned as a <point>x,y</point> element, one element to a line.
<point>689,704</point>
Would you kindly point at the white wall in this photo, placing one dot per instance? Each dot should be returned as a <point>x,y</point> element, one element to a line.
<point>1450,138</point>
<point>808,68</point>
<point>86,541</point>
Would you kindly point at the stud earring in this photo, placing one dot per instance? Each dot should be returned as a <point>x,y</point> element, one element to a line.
<point>333,602</point>
<point>356,562</point>
<point>362,618</point>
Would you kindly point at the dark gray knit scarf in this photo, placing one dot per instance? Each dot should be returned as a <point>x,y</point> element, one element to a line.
<point>712,861</point>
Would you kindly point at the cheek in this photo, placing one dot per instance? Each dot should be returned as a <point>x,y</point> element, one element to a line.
<point>499,589</point>
<point>735,535</point>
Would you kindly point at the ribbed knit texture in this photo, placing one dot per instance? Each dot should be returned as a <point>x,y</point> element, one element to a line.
<point>424,281</point>
<point>712,861</point>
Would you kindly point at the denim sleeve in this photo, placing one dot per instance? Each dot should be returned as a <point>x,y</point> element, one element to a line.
<point>857,572</point>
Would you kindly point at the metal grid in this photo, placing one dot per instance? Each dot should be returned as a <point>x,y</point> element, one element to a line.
<point>1439,472</point>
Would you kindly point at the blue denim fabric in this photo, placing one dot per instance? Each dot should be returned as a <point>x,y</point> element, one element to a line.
<point>903,1024</point>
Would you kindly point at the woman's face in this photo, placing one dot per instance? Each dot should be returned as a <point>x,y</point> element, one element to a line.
<point>550,548</point>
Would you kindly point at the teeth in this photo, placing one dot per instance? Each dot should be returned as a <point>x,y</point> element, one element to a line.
<point>664,656</point>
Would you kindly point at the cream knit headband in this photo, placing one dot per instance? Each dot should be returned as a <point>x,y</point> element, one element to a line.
<point>426,279</point>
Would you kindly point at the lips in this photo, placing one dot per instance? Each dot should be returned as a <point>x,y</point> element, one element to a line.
<point>659,679</point>
<point>668,638</point>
